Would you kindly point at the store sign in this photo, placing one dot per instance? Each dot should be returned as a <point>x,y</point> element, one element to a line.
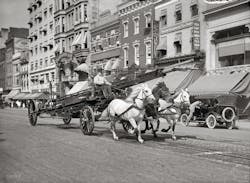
<point>196,35</point>
<point>217,1</point>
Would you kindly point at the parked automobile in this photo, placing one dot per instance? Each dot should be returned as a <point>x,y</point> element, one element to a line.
<point>215,110</point>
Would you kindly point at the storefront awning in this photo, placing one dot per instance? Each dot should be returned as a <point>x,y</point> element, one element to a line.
<point>190,79</point>
<point>162,44</point>
<point>12,94</point>
<point>20,96</point>
<point>77,40</point>
<point>82,68</point>
<point>243,87</point>
<point>105,54</point>
<point>215,84</point>
<point>116,64</point>
<point>231,50</point>
<point>108,66</point>
<point>79,86</point>
<point>172,80</point>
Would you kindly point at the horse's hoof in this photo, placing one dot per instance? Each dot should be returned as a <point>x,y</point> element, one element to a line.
<point>141,141</point>
<point>174,137</point>
<point>116,138</point>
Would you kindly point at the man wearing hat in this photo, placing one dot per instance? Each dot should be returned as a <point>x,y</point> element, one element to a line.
<point>101,81</point>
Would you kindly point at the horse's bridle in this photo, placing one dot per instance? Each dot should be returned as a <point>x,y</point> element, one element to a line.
<point>146,96</point>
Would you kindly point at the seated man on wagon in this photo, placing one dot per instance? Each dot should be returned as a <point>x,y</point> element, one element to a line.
<point>101,82</point>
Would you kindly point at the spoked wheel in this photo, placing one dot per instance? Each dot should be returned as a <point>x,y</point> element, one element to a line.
<point>184,119</point>
<point>211,121</point>
<point>32,113</point>
<point>87,120</point>
<point>67,118</point>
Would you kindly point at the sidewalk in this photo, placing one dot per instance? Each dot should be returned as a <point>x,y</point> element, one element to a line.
<point>243,124</point>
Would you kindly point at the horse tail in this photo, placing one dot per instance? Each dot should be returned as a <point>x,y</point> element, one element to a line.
<point>105,113</point>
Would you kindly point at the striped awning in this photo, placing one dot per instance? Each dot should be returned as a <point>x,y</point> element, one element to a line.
<point>172,80</point>
<point>105,54</point>
<point>162,44</point>
<point>12,93</point>
<point>20,96</point>
<point>108,66</point>
<point>116,64</point>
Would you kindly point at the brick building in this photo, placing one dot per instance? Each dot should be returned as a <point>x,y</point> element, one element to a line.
<point>16,43</point>
<point>106,42</point>
<point>136,23</point>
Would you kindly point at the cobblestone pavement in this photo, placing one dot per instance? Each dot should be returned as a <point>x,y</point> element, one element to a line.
<point>54,152</point>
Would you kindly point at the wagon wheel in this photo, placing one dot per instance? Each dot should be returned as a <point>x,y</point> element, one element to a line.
<point>87,120</point>
<point>32,113</point>
<point>184,119</point>
<point>211,121</point>
<point>67,118</point>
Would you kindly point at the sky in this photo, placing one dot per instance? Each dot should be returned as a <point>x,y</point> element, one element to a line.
<point>13,13</point>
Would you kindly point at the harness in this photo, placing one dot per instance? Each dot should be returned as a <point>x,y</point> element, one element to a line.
<point>134,106</point>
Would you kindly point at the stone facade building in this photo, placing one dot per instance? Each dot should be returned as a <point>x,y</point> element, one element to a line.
<point>182,31</point>
<point>136,23</point>
<point>72,38</point>
<point>41,35</point>
<point>228,37</point>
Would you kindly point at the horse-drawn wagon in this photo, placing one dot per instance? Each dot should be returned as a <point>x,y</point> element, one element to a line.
<point>88,109</point>
<point>213,111</point>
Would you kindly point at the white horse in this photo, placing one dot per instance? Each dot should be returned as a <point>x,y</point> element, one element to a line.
<point>171,113</point>
<point>132,110</point>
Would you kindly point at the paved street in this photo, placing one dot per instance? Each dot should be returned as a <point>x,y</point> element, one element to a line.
<point>53,152</point>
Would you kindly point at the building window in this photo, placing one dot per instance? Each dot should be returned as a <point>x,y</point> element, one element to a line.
<point>51,26</point>
<point>163,20</point>
<point>148,20</point>
<point>148,53</point>
<point>233,53</point>
<point>136,26</point>
<point>51,10</point>
<point>178,16</point>
<point>137,54</point>
<point>76,14</point>
<point>52,76</point>
<point>41,64</point>
<point>125,50</point>
<point>85,15</point>
<point>178,46</point>
<point>125,28</point>
<point>46,62</point>
<point>45,13</point>
<point>194,10</point>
